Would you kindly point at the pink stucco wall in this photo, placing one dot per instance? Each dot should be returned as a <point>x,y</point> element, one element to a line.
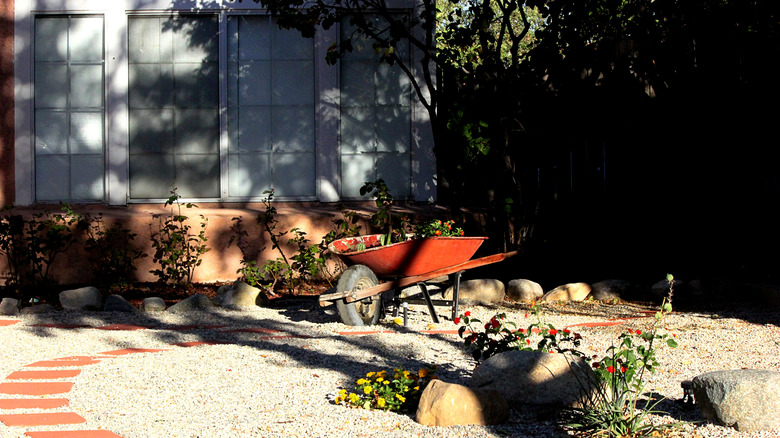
<point>6,102</point>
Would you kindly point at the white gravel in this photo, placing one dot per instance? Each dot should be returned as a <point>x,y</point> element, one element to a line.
<point>264,385</point>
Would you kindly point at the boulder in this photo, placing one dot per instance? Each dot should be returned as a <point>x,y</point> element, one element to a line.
<point>197,302</point>
<point>245,295</point>
<point>610,290</point>
<point>448,404</point>
<point>485,291</point>
<point>568,292</point>
<point>85,298</point>
<point>117,303</point>
<point>540,381</point>
<point>747,400</point>
<point>152,304</point>
<point>524,290</point>
<point>37,309</point>
<point>9,306</point>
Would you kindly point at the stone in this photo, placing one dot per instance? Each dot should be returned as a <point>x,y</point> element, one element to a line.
<point>85,298</point>
<point>197,302</point>
<point>568,292</point>
<point>9,306</point>
<point>152,304</point>
<point>747,400</point>
<point>245,295</point>
<point>37,309</point>
<point>522,290</point>
<point>224,295</point>
<point>449,404</point>
<point>608,290</point>
<point>117,303</point>
<point>486,291</point>
<point>537,380</point>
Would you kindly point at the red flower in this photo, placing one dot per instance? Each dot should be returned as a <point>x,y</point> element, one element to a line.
<point>623,369</point>
<point>639,332</point>
<point>461,232</point>
<point>438,232</point>
<point>630,331</point>
<point>494,322</point>
<point>526,315</point>
<point>456,320</point>
<point>610,369</point>
<point>468,313</point>
<point>566,331</point>
<point>527,341</point>
<point>553,332</point>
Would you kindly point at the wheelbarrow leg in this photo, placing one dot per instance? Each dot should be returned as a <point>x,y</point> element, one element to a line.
<point>428,301</point>
<point>455,293</point>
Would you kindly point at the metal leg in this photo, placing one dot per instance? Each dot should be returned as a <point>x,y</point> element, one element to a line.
<point>455,293</point>
<point>428,301</point>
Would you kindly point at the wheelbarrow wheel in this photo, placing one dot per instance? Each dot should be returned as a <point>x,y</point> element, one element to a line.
<point>365,311</point>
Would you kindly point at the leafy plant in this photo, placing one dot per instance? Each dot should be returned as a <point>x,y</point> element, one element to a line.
<point>178,249</point>
<point>308,261</point>
<point>346,226</point>
<point>613,412</point>
<point>250,272</point>
<point>377,391</point>
<point>393,228</point>
<point>13,247</point>
<point>437,228</point>
<point>499,335</point>
<point>111,251</point>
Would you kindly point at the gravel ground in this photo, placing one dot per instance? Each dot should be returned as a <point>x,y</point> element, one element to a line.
<point>259,385</point>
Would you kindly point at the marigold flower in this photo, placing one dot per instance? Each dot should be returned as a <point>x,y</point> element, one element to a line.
<point>371,374</point>
<point>380,402</point>
<point>639,332</point>
<point>367,389</point>
<point>362,381</point>
<point>438,232</point>
<point>353,397</point>
<point>423,372</point>
<point>343,393</point>
<point>494,322</point>
<point>456,320</point>
<point>527,341</point>
<point>400,398</point>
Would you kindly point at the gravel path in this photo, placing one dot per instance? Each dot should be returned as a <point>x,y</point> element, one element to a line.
<point>280,383</point>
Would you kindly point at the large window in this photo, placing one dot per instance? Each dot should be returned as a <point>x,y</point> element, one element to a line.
<point>69,108</point>
<point>375,119</point>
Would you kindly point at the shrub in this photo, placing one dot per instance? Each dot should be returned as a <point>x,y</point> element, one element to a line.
<point>377,391</point>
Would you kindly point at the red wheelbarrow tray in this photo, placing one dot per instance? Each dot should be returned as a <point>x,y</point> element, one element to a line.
<point>408,258</point>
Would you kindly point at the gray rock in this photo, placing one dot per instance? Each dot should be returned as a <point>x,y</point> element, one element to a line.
<point>9,306</point>
<point>152,304</point>
<point>37,309</point>
<point>224,295</point>
<point>747,400</point>
<point>197,302</point>
<point>610,290</point>
<point>85,298</point>
<point>448,404</point>
<point>568,292</point>
<point>539,381</point>
<point>245,295</point>
<point>117,303</point>
<point>524,290</point>
<point>485,291</point>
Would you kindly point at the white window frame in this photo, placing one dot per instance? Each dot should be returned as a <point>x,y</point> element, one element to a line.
<point>116,13</point>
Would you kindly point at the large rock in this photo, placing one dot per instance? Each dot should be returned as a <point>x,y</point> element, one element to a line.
<point>568,292</point>
<point>610,290</point>
<point>539,381</point>
<point>245,295</point>
<point>117,303</point>
<point>9,306</point>
<point>748,400</point>
<point>38,309</point>
<point>448,404</point>
<point>197,302</point>
<point>484,291</point>
<point>85,298</point>
<point>522,290</point>
<point>152,304</point>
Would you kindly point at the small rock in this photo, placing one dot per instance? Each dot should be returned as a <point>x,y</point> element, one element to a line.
<point>9,306</point>
<point>535,379</point>
<point>37,309</point>
<point>610,290</point>
<point>197,302</point>
<point>245,295</point>
<point>485,291</point>
<point>522,290</point>
<point>117,303</point>
<point>85,298</point>
<point>568,292</point>
<point>152,304</point>
<point>747,400</point>
<point>448,404</point>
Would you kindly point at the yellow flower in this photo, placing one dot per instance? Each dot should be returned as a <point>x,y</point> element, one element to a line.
<point>361,381</point>
<point>381,374</point>
<point>371,374</point>
<point>400,398</point>
<point>380,402</point>
<point>416,388</point>
<point>343,393</point>
<point>407,374</point>
<point>353,397</point>
<point>398,321</point>
<point>367,389</point>
<point>423,372</point>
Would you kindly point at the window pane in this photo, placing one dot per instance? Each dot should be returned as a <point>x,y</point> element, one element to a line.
<point>293,82</point>
<point>293,128</point>
<point>296,174</point>
<point>51,85</point>
<point>152,85</point>
<point>86,176</point>
<point>355,171</point>
<point>197,131</point>
<point>86,82</point>
<point>51,132</point>
<point>151,176</point>
<point>249,174</point>
<point>51,177</point>
<point>196,84</point>
<point>51,39</point>
<point>254,128</point>
<point>357,130</point>
<point>197,175</point>
<point>254,83</point>
<point>86,133</point>
<point>151,131</point>
<point>86,39</point>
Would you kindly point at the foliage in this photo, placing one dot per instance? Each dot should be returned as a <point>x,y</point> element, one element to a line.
<point>613,412</point>
<point>345,226</point>
<point>12,246</point>
<point>307,261</point>
<point>437,228</point>
<point>377,391</point>
<point>178,249</point>
<point>250,273</point>
<point>393,227</point>
<point>111,251</point>
<point>499,335</point>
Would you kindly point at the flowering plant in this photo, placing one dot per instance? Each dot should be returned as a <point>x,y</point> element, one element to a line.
<point>378,391</point>
<point>437,228</point>
<point>499,335</point>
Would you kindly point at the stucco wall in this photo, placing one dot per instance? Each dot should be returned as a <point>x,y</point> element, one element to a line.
<point>6,102</point>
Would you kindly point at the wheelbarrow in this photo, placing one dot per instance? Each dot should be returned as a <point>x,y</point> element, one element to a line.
<point>358,295</point>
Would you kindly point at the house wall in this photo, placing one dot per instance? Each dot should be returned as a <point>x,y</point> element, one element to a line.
<point>6,102</point>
